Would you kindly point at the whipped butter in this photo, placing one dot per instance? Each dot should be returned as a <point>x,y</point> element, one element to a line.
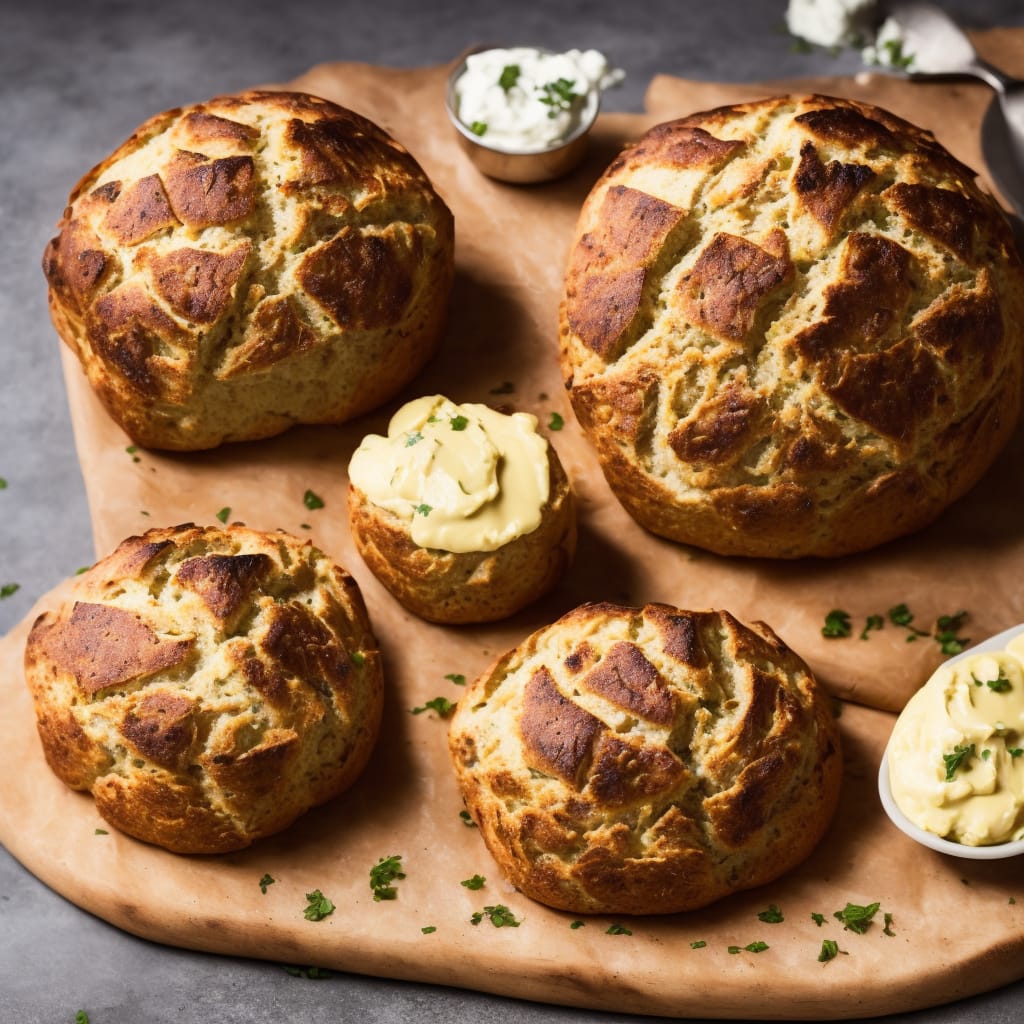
<point>524,100</point>
<point>464,477</point>
<point>956,756</point>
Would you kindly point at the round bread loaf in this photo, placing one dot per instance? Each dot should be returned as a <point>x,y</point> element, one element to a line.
<point>646,761</point>
<point>207,686</point>
<point>468,585</point>
<point>242,265</point>
<point>792,327</point>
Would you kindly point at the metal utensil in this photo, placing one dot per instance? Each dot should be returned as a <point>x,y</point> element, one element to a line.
<point>939,47</point>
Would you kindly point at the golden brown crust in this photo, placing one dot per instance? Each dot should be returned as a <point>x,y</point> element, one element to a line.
<point>248,263</point>
<point>818,350</point>
<point>646,760</point>
<point>207,686</point>
<point>473,586</point>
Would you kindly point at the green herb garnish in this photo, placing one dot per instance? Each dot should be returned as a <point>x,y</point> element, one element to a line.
<point>223,514</point>
<point>429,929</point>
<point>476,882</point>
<point>3,484</point>
<point>900,615</point>
<point>771,916</point>
<point>382,874</point>
<point>829,951</point>
<point>887,930</point>
<point>509,76</point>
<point>457,678</point>
<point>750,947</point>
<point>837,624</point>
<point>956,759</point>
<point>8,589</point>
<point>442,705</point>
<point>698,944</point>
<point>423,509</point>
<point>873,622</point>
<point>265,882</point>
<point>499,915</point>
<point>478,128</point>
<point>319,906</point>
<point>131,450</point>
<point>617,929</point>
<point>413,437</point>
<point>100,832</point>
<point>576,924</point>
<point>312,500</point>
<point>81,1017</point>
<point>895,57</point>
<point>556,422</point>
<point>1000,684</point>
<point>1015,751</point>
<point>947,628</point>
<point>559,95</point>
<point>856,917</point>
<point>818,919</point>
<point>459,422</point>
<point>467,819</point>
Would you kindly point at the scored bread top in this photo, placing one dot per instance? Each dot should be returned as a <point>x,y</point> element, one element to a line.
<point>646,760</point>
<point>250,262</point>
<point>792,326</point>
<point>207,686</point>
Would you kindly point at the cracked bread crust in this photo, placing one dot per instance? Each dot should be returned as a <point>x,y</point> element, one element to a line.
<point>792,327</point>
<point>472,586</point>
<point>646,760</point>
<point>207,686</point>
<point>249,263</point>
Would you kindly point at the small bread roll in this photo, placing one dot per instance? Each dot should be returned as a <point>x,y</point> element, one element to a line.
<point>792,327</point>
<point>207,686</point>
<point>248,263</point>
<point>465,514</point>
<point>646,760</point>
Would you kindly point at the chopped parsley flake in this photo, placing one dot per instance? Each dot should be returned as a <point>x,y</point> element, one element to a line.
<point>750,947</point>
<point>382,874</point>
<point>771,916</point>
<point>131,450</point>
<point>467,819</point>
<point>509,76</point>
<point>617,929</point>
<point>478,128</point>
<point>100,832</point>
<point>856,917</point>
<point>947,628</point>
<point>81,1017</point>
<point>1000,684</point>
<point>558,95</point>
<point>413,437</point>
<point>476,882</point>
<point>8,589</point>
<point>429,929</point>
<point>319,906</point>
<point>818,919</point>
<point>900,615</point>
<point>698,944</point>
<point>829,951</point>
<point>579,924</point>
<point>837,624</point>
<point>887,930</point>
<point>459,422</point>
<point>953,761</point>
<point>312,500</point>
<point>223,514</point>
<point>3,484</point>
<point>499,915</point>
<point>423,509</point>
<point>556,422</point>
<point>265,882</point>
<point>1015,751</point>
<point>457,678</point>
<point>312,973</point>
<point>873,622</point>
<point>442,705</point>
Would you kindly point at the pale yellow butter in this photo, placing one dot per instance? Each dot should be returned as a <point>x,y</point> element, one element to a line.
<point>976,702</point>
<point>465,477</point>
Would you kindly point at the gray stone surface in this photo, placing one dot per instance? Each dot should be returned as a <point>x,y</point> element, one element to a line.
<point>75,79</point>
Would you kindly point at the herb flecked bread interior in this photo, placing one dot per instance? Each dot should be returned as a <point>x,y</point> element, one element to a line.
<point>248,263</point>
<point>207,686</point>
<point>646,760</point>
<point>792,327</point>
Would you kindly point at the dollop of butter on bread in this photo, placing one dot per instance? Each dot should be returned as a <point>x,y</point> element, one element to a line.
<point>466,477</point>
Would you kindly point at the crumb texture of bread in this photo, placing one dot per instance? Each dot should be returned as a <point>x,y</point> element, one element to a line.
<point>792,327</point>
<point>207,686</point>
<point>647,760</point>
<point>249,263</point>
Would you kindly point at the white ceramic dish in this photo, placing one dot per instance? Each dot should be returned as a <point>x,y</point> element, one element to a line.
<point>998,851</point>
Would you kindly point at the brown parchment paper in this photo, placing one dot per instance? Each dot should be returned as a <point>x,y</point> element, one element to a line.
<point>511,246</point>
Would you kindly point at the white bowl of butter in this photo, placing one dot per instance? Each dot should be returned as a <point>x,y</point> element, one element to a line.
<point>952,777</point>
<point>523,113</point>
